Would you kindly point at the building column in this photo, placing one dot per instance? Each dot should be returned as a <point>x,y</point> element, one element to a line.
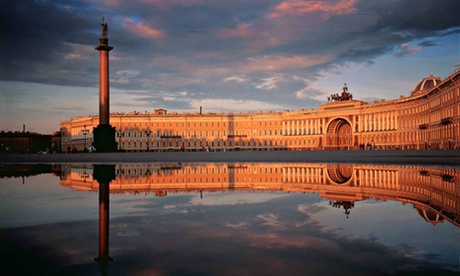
<point>323,125</point>
<point>365,122</point>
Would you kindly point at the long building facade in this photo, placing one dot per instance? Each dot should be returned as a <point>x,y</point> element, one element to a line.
<point>427,119</point>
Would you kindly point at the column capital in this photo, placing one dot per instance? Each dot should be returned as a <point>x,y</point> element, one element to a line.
<point>103,44</point>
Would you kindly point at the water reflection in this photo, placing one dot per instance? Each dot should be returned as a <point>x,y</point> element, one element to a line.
<point>103,174</point>
<point>27,170</point>
<point>434,193</point>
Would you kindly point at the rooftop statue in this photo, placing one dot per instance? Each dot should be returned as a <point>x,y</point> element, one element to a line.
<point>105,28</point>
<point>345,96</point>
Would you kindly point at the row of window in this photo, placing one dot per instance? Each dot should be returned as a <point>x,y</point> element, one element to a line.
<point>202,143</point>
<point>193,124</point>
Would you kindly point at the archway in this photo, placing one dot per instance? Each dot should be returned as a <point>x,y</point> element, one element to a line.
<point>339,134</point>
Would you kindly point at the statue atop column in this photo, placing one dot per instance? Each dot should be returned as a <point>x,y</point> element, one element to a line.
<point>105,28</point>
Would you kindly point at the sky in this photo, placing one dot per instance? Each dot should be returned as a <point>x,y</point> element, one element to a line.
<point>239,55</point>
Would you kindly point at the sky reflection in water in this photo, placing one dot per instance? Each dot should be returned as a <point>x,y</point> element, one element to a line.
<point>243,222</point>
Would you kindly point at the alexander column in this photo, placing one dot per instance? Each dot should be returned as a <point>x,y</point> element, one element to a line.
<point>104,133</point>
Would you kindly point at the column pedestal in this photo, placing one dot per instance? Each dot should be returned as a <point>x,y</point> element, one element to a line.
<point>104,138</point>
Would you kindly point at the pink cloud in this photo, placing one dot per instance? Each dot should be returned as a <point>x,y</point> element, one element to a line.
<point>170,3</point>
<point>112,3</point>
<point>274,63</point>
<point>79,51</point>
<point>301,7</point>
<point>73,56</point>
<point>259,36</point>
<point>238,70</point>
<point>406,49</point>
<point>142,30</point>
<point>242,30</point>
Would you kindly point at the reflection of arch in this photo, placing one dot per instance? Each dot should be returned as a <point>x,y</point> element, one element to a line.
<point>430,216</point>
<point>340,174</point>
<point>339,134</point>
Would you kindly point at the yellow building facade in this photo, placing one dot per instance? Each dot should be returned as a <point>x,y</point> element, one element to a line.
<point>427,119</point>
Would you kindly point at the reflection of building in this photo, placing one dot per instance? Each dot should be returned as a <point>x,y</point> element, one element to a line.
<point>428,118</point>
<point>435,192</point>
<point>26,170</point>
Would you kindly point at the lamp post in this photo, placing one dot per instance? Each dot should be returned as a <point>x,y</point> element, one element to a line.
<point>85,131</point>
<point>120,134</point>
<point>61,136</point>
<point>84,175</point>
<point>148,132</point>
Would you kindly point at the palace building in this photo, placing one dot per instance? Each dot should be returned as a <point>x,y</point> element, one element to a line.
<point>426,119</point>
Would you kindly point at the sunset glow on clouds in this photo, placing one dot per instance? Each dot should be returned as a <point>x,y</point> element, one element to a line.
<point>277,54</point>
<point>302,7</point>
<point>142,30</point>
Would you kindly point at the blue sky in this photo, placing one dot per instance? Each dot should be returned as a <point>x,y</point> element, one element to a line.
<point>221,55</point>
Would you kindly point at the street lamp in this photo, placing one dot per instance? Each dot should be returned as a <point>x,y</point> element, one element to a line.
<point>61,136</point>
<point>84,175</point>
<point>85,132</point>
<point>148,132</point>
<point>119,135</point>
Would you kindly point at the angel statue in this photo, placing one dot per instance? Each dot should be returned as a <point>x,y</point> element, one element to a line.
<point>105,28</point>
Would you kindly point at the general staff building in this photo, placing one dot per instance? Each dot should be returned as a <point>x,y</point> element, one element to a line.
<point>426,119</point>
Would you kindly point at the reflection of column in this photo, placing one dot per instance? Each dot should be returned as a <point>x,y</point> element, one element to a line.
<point>104,174</point>
<point>103,221</point>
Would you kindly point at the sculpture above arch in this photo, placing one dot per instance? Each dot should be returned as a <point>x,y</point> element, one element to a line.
<point>344,96</point>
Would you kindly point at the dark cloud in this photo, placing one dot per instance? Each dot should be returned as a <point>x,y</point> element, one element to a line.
<point>428,43</point>
<point>421,17</point>
<point>193,46</point>
<point>38,41</point>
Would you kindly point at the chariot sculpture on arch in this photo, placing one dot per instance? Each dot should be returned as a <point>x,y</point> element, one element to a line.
<point>344,96</point>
